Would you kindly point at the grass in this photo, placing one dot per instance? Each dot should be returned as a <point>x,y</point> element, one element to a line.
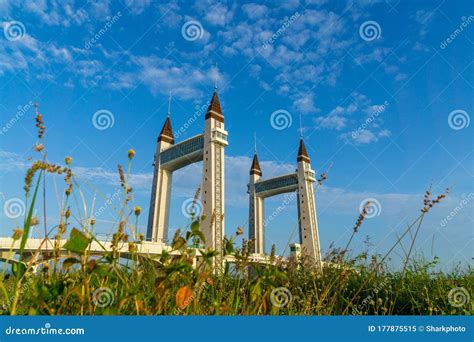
<point>70,281</point>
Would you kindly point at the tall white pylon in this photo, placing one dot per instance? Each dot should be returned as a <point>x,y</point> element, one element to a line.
<point>169,157</point>
<point>300,182</point>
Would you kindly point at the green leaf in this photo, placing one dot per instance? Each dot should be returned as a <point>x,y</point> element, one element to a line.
<point>68,262</point>
<point>201,236</point>
<point>18,269</point>
<point>77,242</point>
<point>195,226</point>
<point>179,243</point>
<point>229,247</point>
<point>27,225</point>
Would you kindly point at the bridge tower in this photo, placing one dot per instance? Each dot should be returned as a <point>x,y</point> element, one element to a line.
<point>300,183</point>
<point>158,216</point>
<point>169,157</point>
<point>309,235</point>
<point>256,231</point>
<point>215,140</point>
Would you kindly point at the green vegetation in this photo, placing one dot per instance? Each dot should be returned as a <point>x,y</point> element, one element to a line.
<point>70,281</point>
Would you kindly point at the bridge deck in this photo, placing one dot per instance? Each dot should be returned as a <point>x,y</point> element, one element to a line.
<point>145,248</point>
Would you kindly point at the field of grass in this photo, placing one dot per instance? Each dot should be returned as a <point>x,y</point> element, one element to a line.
<point>76,283</point>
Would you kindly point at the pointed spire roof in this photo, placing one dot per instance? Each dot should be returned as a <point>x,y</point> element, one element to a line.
<point>166,133</point>
<point>255,168</point>
<point>214,110</point>
<point>302,153</point>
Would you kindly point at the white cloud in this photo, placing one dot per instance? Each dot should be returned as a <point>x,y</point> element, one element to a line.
<point>305,104</point>
<point>60,54</point>
<point>218,14</point>
<point>137,6</point>
<point>334,120</point>
<point>255,11</point>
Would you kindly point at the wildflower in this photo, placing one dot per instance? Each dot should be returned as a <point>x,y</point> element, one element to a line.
<point>68,213</point>
<point>131,153</point>
<point>92,221</point>
<point>17,233</point>
<point>68,160</point>
<point>183,296</point>
<point>362,216</point>
<point>121,174</point>
<point>137,210</point>
<point>39,122</point>
<point>428,203</point>
<point>39,147</point>
<point>61,228</point>
<point>132,248</point>
<point>34,221</point>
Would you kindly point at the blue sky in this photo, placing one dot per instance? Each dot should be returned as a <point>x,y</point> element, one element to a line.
<point>384,90</point>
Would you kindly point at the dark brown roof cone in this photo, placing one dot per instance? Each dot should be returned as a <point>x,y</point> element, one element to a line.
<point>214,110</point>
<point>255,168</point>
<point>302,153</point>
<point>166,133</point>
